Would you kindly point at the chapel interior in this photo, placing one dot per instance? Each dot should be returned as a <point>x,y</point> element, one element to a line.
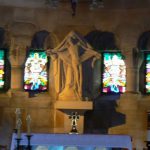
<point>98,26</point>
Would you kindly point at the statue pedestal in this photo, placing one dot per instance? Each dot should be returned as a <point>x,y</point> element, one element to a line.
<point>62,123</point>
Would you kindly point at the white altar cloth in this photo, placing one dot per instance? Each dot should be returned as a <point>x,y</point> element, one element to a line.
<point>85,141</point>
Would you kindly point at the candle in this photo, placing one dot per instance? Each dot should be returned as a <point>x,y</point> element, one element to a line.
<point>18,115</point>
<point>19,123</point>
<point>28,119</point>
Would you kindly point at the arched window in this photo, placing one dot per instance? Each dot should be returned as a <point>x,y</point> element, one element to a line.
<point>144,62</point>
<point>36,64</point>
<point>147,72</point>
<point>114,73</point>
<point>36,71</point>
<point>2,68</point>
<point>111,81</point>
<point>5,69</point>
<point>113,76</point>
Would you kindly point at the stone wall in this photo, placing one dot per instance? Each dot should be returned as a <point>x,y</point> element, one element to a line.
<point>23,22</point>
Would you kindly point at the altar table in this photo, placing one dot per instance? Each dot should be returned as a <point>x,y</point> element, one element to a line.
<point>78,142</point>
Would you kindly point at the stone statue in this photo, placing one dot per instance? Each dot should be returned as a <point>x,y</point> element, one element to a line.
<point>67,61</point>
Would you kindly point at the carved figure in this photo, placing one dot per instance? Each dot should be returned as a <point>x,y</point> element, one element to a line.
<point>67,62</point>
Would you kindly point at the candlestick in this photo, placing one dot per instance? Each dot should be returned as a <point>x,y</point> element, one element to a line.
<point>29,147</point>
<point>28,119</point>
<point>19,123</point>
<point>18,115</point>
<point>18,143</point>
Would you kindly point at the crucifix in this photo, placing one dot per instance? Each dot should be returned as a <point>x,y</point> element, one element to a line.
<point>74,117</point>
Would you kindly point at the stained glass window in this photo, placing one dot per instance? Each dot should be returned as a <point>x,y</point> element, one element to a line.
<point>147,85</point>
<point>36,71</point>
<point>114,73</point>
<point>2,65</point>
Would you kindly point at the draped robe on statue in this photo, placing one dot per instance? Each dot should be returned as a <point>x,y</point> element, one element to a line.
<point>67,61</point>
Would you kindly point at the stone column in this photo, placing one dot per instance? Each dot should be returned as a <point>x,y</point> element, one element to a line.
<point>22,30</point>
<point>128,103</point>
<point>127,38</point>
<point>131,74</point>
<point>17,59</point>
<point>131,71</point>
<point>133,65</point>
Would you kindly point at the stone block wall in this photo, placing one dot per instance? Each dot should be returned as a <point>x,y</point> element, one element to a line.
<point>22,23</point>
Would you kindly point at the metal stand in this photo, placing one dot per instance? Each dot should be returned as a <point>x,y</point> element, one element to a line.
<point>18,143</point>
<point>29,147</point>
<point>74,130</point>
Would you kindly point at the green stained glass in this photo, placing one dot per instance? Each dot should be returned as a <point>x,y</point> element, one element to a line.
<point>1,54</point>
<point>147,85</point>
<point>2,62</point>
<point>148,57</point>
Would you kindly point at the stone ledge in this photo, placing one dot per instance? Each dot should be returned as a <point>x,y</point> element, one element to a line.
<point>77,105</point>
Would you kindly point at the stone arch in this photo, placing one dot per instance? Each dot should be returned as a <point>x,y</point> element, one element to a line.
<point>4,38</point>
<point>51,41</point>
<point>102,40</point>
<point>44,39</point>
<point>94,120</point>
<point>2,32</point>
<point>144,41</point>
